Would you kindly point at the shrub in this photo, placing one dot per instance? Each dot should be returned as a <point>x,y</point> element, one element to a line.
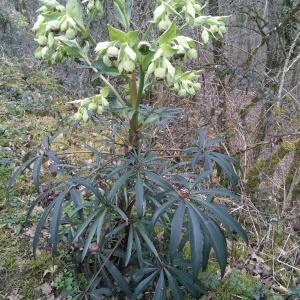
<point>134,211</point>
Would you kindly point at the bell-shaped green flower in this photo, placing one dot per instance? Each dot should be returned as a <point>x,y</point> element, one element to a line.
<point>186,83</point>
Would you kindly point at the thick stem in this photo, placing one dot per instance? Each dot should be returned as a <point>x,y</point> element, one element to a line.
<point>135,96</point>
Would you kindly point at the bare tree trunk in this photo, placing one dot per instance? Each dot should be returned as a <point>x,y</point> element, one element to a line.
<point>219,61</point>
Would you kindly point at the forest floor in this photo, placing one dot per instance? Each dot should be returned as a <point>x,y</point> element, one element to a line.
<point>33,105</point>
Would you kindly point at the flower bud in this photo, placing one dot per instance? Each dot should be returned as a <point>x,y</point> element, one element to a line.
<point>50,40</point>
<point>64,26</point>
<point>163,25</point>
<point>191,91</point>
<point>60,8</point>
<point>197,7</point>
<point>107,61</point>
<point>214,28</point>
<point>144,47</point>
<point>192,54</point>
<point>38,53</point>
<point>129,66</point>
<point>112,52</point>
<point>182,93</point>
<point>78,116</point>
<point>160,73</point>
<point>222,28</point>
<point>197,85</point>
<point>85,115</point>
<point>45,51</point>
<point>99,109</point>
<point>42,41</point>
<point>105,103</point>
<point>70,34</point>
<point>92,106</point>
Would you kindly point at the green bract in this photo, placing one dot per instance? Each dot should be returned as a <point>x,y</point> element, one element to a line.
<point>135,211</point>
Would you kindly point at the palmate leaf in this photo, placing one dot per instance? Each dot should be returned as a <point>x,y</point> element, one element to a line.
<point>176,228</point>
<point>225,218</point>
<point>119,279</point>
<point>138,248</point>
<point>141,229</point>
<point>56,221</point>
<point>76,198</point>
<point>175,290</point>
<point>187,281</point>
<point>36,171</point>
<point>161,210</point>
<point>129,246</point>
<point>196,242</point>
<point>40,226</point>
<point>89,186</point>
<point>216,237</point>
<point>118,184</point>
<point>139,196</point>
<point>144,284</point>
<point>94,230</point>
<point>159,293</point>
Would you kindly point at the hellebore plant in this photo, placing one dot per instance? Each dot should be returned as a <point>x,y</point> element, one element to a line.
<point>141,224</point>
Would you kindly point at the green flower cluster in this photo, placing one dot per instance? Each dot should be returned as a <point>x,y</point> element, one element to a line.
<point>186,83</point>
<point>95,103</point>
<point>94,7</point>
<point>52,24</point>
<point>180,47</point>
<point>120,55</point>
<point>213,26</point>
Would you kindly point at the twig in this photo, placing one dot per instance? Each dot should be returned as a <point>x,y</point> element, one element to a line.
<point>286,69</point>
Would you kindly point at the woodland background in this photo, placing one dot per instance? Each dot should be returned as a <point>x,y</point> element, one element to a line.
<point>250,95</point>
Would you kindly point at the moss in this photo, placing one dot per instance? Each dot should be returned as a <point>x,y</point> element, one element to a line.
<point>295,166</point>
<point>238,284</point>
<point>19,269</point>
<point>267,166</point>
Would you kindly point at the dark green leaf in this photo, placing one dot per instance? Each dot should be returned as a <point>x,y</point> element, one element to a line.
<point>160,287</point>
<point>175,290</point>
<point>217,239</point>
<point>116,274</point>
<point>89,239</point>
<point>161,209</point>
<point>84,226</point>
<point>176,228</point>
<point>159,180</point>
<point>118,184</point>
<point>36,172</point>
<point>147,240</point>
<point>188,281</point>
<point>143,285</point>
<point>139,196</point>
<point>225,218</point>
<point>129,246</point>
<point>196,242</point>
<point>56,220</point>
<point>40,226</point>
